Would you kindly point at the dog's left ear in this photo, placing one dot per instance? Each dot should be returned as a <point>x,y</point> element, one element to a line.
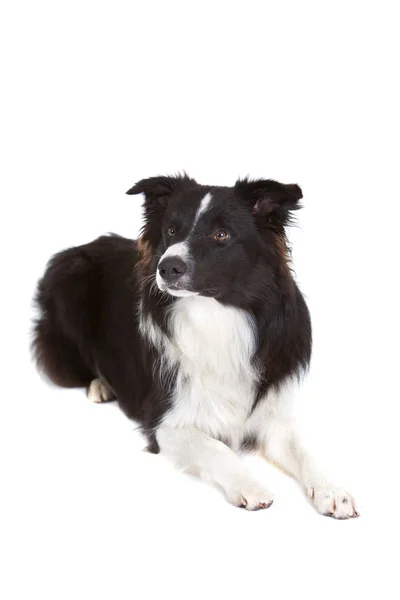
<point>267,197</point>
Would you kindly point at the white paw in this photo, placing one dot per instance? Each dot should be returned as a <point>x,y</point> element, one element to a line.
<point>333,502</point>
<point>250,495</point>
<point>99,391</point>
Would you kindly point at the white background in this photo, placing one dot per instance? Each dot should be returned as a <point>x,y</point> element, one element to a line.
<point>97,95</point>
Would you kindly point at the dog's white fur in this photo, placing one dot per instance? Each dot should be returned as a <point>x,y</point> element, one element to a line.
<point>212,346</point>
<point>99,391</point>
<point>204,206</point>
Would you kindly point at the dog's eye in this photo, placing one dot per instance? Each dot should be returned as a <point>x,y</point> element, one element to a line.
<point>221,236</point>
<point>171,231</point>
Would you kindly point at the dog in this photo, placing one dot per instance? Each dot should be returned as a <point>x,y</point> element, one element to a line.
<point>197,329</point>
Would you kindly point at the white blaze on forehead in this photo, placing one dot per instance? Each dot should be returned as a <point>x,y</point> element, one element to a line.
<point>181,249</point>
<point>204,205</point>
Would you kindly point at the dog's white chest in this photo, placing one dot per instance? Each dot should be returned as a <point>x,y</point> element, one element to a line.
<point>212,347</point>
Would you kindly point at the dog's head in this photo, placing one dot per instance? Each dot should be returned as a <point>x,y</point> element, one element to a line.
<point>214,241</point>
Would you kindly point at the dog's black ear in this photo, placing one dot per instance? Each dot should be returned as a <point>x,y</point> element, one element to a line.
<point>157,188</point>
<point>157,191</point>
<point>269,198</point>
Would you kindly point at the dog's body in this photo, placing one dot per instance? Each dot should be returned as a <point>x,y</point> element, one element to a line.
<point>197,329</point>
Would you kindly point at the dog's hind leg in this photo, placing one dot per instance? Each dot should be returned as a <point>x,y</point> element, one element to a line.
<point>59,358</point>
<point>99,391</point>
<point>67,311</point>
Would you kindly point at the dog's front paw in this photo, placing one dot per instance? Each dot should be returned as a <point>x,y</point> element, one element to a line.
<point>250,495</point>
<point>332,501</point>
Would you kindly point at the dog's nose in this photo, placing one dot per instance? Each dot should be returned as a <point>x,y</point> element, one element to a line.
<point>171,268</point>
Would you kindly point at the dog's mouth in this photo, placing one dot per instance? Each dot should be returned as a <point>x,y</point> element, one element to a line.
<point>179,292</point>
<point>176,291</point>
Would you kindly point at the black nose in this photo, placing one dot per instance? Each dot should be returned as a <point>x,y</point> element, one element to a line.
<point>171,268</point>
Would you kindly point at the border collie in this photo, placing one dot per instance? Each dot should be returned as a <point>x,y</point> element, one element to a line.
<point>197,329</point>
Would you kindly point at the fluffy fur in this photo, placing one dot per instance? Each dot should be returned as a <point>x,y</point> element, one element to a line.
<point>198,329</point>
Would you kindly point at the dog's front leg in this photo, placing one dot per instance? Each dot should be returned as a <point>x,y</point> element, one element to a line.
<point>199,454</point>
<point>282,445</point>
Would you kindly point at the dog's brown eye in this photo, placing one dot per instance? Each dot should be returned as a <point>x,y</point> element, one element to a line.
<point>221,236</point>
<point>171,231</point>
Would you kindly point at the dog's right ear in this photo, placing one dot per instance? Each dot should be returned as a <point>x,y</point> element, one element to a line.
<point>156,189</point>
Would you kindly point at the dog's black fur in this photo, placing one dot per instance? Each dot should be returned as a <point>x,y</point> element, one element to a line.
<point>89,295</point>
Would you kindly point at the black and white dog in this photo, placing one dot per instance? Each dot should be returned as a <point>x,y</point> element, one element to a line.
<point>197,329</point>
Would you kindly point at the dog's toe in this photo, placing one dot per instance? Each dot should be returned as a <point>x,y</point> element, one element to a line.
<point>251,496</point>
<point>333,502</point>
